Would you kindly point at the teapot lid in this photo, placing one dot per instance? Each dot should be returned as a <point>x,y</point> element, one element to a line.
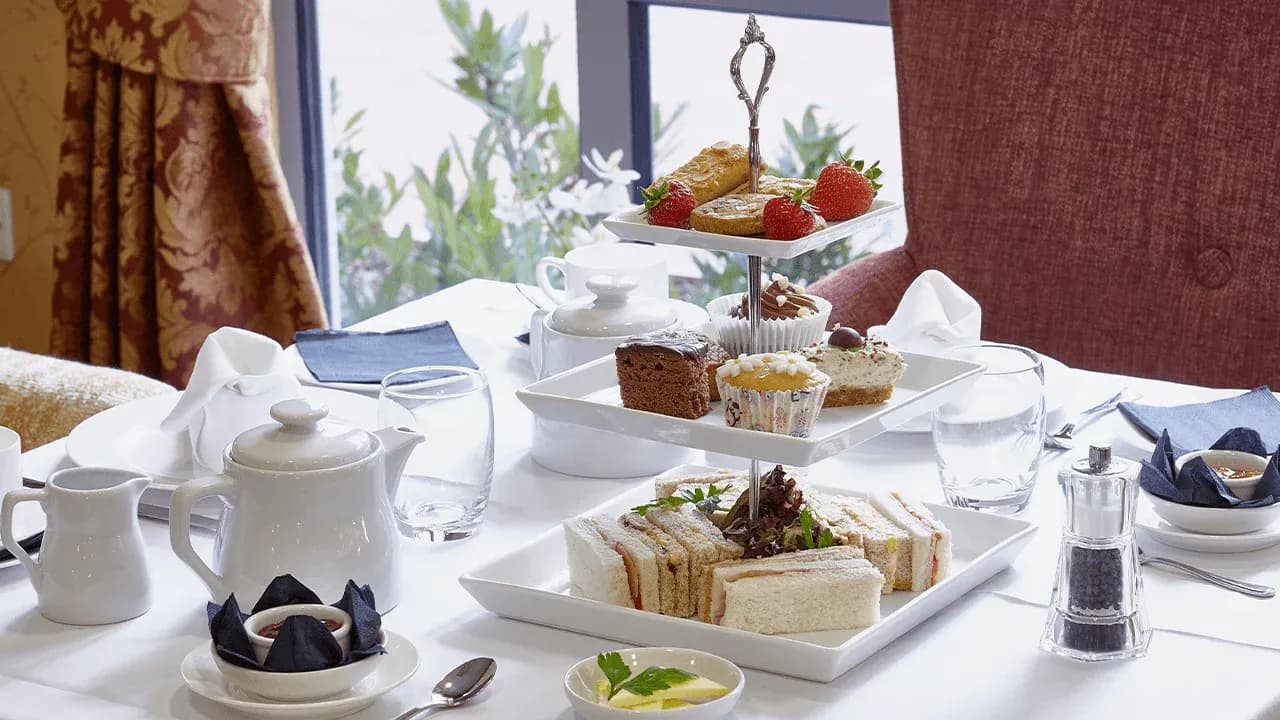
<point>613,312</point>
<point>298,440</point>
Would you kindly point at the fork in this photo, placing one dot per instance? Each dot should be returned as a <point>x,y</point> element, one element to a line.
<point>1064,438</point>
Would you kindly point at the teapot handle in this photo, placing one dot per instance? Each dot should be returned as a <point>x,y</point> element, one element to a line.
<point>184,498</point>
<point>11,499</point>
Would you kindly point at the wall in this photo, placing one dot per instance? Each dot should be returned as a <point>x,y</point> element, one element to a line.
<point>32,77</point>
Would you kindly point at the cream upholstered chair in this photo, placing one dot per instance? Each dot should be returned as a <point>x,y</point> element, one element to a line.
<point>43,398</point>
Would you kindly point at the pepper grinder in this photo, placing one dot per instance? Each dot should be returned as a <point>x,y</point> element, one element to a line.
<point>1097,611</point>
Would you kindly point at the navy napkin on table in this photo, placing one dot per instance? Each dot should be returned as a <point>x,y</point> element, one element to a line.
<point>366,357</point>
<point>1198,425</point>
<point>1197,483</point>
<point>304,644</point>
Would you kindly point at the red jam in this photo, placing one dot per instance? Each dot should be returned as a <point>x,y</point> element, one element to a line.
<point>272,631</point>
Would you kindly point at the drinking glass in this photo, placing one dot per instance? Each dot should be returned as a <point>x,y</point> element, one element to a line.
<point>988,439</point>
<point>445,486</point>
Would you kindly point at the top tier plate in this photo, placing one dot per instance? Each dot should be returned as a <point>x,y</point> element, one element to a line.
<point>631,225</point>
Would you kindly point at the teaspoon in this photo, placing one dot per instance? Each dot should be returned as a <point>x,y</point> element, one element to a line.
<point>460,685</point>
<point>1240,586</point>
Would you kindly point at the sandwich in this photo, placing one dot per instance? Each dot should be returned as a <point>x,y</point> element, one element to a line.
<point>712,577</point>
<point>884,543</point>
<point>669,483</point>
<point>703,543</point>
<point>805,591</point>
<point>612,563</point>
<point>672,562</point>
<point>927,555</point>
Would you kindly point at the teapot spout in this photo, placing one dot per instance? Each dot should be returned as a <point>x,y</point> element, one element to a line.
<point>398,443</point>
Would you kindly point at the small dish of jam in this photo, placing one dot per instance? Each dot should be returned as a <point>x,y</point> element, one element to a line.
<point>1240,471</point>
<point>264,627</point>
<point>272,631</point>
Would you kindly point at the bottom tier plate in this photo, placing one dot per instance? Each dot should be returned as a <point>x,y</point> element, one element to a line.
<point>531,584</point>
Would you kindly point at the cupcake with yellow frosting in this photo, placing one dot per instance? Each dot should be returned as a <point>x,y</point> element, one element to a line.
<point>778,392</point>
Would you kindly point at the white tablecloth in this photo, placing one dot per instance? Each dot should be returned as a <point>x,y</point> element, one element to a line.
<point>1214,655</point>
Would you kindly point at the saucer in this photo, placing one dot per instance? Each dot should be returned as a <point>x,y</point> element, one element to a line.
<point>129,437</point>
<point>399,664</point>
<point>1151,525</point>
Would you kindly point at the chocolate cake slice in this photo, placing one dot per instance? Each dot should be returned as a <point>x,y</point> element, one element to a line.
<point>665,372</point>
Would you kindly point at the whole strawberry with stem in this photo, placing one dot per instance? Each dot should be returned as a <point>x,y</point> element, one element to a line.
<point>788,218</point>
<point>669,203</point>
<point>846,188</point>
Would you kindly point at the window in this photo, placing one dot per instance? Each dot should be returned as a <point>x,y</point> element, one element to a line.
<point>439,141</point>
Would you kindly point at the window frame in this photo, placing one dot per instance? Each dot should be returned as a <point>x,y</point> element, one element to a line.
<point>300,122</point>
<point>614,99</point>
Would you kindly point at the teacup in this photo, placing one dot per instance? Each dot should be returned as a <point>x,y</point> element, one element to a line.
<point>643,263</point>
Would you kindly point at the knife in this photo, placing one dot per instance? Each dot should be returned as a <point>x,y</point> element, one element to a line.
<point>145,509</point>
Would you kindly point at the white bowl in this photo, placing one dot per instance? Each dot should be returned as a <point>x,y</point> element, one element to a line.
<point>258,621</point>
<point>1243,488</point>
<point>580,684</point>
<point>1214,521</point>
<point>300,686</point>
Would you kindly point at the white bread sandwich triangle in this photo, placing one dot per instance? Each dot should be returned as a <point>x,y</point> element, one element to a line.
<point>928,554</point>
<point>791,593</point>
<point>672,563</point>
<point>883,542</point>
<point>596,569</point>
<point>702,541</point>
<point>710,582</point>
<point>666,484</point>
<point>593,573</point>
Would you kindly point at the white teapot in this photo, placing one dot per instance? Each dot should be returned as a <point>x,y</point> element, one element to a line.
<point>307,497</point>
<point>578,332</point>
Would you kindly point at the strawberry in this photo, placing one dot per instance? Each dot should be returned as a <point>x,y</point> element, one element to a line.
<point>845,190</point>
<point>669,204</point>
<point>788,218</point>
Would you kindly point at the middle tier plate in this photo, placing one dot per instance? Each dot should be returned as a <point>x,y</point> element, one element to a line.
<point>588,395</point>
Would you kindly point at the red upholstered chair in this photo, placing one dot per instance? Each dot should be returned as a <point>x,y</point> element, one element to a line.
<point>1103,177</point>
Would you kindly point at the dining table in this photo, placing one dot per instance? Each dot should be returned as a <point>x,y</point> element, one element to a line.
<point>1213,653</point>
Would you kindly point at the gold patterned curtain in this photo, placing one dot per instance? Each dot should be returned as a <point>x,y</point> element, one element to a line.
<point>174,211</point>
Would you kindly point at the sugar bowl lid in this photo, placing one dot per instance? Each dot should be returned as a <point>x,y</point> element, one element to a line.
<point>613,311</point>
<point>299,439</point>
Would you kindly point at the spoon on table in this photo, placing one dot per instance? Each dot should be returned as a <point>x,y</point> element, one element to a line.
<point>460,685</point>
<point>1240,586</point>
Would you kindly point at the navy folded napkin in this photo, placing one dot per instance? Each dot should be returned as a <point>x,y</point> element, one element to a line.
<point>367,357</point>
<point>1197,483</point>
<point>304,643</point>
<point>1198,425</point>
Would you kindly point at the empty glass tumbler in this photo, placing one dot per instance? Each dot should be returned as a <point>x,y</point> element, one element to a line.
<point>988,438</point>
<point>445,486</point>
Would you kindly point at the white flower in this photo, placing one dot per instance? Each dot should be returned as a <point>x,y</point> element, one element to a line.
<point>514,210</point>
<point>609,169</point>
<point>571,198</point>
<point>596,235</point>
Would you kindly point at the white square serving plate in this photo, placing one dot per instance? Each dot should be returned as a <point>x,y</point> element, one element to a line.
<point>532,584</point>
<point>588,395</point>
<point>632,225</point>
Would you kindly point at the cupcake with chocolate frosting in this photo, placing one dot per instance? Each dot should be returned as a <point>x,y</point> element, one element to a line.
<point>791,319</point>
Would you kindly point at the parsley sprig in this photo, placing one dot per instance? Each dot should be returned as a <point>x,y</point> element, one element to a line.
<point>708,500</point>
<point>648,682</point>
<point>824,538</point>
